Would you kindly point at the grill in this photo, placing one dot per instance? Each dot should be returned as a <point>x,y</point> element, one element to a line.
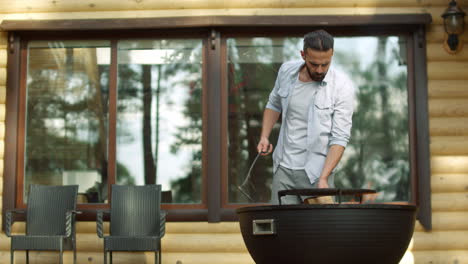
<point>327,233</point>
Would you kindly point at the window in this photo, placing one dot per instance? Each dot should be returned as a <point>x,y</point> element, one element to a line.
<point>377,156</point>
<point>158,119</point>
<point>183,109</point>
<point>66,117</point>
<point>159,116</point>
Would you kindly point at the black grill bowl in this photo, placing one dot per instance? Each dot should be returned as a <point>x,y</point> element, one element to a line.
<point>327,233</point>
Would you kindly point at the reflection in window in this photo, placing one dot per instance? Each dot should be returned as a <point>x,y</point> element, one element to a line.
<point>252,67</point>
<point>66,116</point>
<point>159,116</point>
<point>377,155</point>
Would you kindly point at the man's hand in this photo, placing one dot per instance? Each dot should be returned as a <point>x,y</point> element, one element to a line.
<point>264,146</point>
<point>322,183</point>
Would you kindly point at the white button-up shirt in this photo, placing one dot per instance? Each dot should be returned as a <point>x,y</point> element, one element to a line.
<point>295,127</point>
<point>329,117</point>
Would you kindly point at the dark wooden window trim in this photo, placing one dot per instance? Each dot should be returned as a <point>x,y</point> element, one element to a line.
<point>422,128</point>
<point>214,126</point>
<point>11,125</point>
<point>412,24</point>
<point>216,21</point>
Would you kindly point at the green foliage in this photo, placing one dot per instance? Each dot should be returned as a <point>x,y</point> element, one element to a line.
<point>377,155</point>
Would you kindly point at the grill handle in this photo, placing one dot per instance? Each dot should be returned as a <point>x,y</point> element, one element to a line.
<point>262,227</point>
<point>315,192</point>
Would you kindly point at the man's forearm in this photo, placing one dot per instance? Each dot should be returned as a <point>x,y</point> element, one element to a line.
<point>333,157</point>
<point>270,117</point>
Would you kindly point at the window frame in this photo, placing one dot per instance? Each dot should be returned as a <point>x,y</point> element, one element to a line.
<point>179,212</point>
<point>418,119</point>
<point>214,30</point>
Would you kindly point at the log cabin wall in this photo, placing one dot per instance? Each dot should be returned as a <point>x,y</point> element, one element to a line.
<point>221,243</point>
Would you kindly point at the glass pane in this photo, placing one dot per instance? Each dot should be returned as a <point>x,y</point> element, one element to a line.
<point>377,155</point>
<point>253,64</point>
<point>159,116</point>
<point>66,116</point>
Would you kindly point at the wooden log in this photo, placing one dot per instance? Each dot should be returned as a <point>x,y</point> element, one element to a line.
<point>440,240</point>
<point>47,257</point>
<point>2,131</point>
<point>440,256</point>
<point>203,227</point>
<point>202,258</point>
<point>436,34</point>
<point>407,258</point>
<point>85,227</point>
<point>448,126</point>
<point>2,76</point>
<point>211,11</point>
<point>436,52</point>
<point>29,6</point>
<point>221,243</point>
<point>2,149</point>
<point>2,94</point>
<point>2,112</point>
<point>446,221</point>
<point>173,227</point>
<point>88,242</point>
<point>44,257</point>
<point>3,39</point>
<point>447,70</point>
<point>449,164</point>
<point>447,89</point>
<point>448,107</point>
<point>89,227</point>
<point>4,242</point>
<point>449,202</point>
<point>85,240</point>
<point>18,228</point>
<point>204,243</point>
<point>449,183</point>
<point>3,58</point>
<point>449,145</point>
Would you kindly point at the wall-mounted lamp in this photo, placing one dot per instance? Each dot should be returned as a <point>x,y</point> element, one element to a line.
<point>454,24</point>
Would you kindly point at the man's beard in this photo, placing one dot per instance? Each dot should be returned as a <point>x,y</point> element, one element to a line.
<point>315,76</point>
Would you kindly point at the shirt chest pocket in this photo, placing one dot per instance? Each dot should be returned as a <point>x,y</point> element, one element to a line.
<point>324,111</point>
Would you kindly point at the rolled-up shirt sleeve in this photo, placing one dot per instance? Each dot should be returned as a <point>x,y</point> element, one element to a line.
<point>274,100</point>
<point>343,115</point>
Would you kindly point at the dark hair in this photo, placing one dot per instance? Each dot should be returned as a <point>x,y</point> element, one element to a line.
<point>318,40</point>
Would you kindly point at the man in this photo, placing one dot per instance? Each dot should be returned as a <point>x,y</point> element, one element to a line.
<point>316,102</point>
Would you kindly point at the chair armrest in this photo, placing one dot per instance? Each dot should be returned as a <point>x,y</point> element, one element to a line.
<point>99,222</point>
<point>9,219</point>
<point>69,217</point>
<point>162,223</point>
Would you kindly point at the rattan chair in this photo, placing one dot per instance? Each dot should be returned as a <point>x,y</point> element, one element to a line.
<point>50,221</point>
<point>136,221</point>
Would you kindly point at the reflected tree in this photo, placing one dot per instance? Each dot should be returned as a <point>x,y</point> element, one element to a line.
<point>250,75</point>
<point>377,155</point>
<point>67,116</point>
<point>187,189</point>
<point>146,87</point>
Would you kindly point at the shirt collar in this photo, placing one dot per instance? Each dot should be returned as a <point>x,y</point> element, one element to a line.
<point>325,80</point>
<point>328,77</point>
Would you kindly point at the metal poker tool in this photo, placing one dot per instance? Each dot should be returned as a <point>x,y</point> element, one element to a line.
<point>247,181</point>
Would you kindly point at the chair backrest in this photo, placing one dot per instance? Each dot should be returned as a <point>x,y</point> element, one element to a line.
<point>46,208</point>
<point>135,210</point>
